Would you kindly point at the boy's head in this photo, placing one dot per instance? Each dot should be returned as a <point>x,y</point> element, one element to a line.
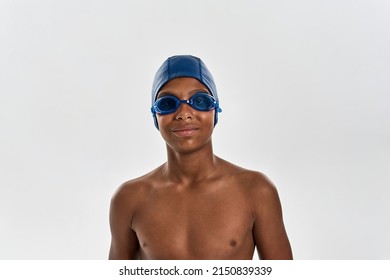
<point>183,66</point>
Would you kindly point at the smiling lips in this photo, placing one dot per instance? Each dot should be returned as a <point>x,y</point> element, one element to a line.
<point>185,130</point>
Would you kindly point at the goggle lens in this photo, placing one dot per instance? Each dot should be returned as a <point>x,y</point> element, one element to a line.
<point>169,104</point>
<point>166,104</point>
<point>203,103</point>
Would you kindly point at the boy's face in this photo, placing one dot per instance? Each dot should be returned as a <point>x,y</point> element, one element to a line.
<point>186,129</point>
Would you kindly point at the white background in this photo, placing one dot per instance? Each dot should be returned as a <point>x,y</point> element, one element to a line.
<point>304,87</point>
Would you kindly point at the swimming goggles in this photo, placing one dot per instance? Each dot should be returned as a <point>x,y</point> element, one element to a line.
<point>201,101</point>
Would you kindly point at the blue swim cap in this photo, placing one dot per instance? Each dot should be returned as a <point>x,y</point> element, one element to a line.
<point>183,66</point>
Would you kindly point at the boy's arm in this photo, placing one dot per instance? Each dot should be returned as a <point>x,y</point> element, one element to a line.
<point>124,242</point>
<point>269,232</point>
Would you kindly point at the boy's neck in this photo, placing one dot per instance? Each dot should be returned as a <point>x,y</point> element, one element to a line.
<point>190,167</point>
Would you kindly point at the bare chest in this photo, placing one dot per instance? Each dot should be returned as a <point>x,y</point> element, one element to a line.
<point>195,225</point>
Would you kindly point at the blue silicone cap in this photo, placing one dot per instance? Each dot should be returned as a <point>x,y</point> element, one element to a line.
<point>183,66</point>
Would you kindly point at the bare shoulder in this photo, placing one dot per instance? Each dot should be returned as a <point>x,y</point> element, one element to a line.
<point>131,193</point>
<point>259,191</point>
<point>129,188</point>
<point>253,181</point>
<point>260,185</point>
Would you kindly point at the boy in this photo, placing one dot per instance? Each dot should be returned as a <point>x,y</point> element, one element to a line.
<point>196,205</point>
